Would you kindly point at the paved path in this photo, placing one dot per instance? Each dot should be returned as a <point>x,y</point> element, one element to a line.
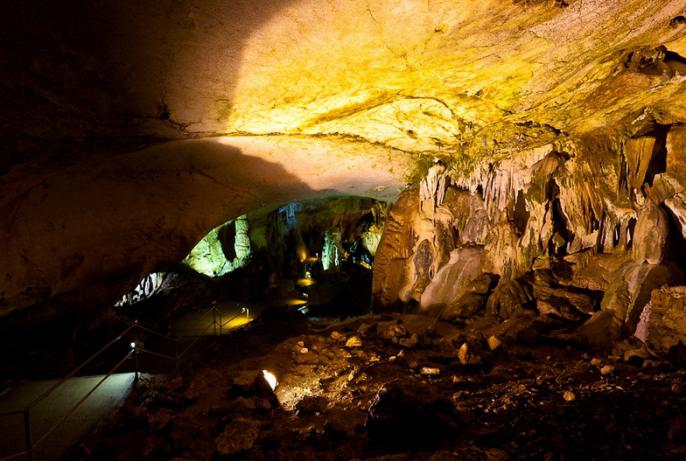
<point>107,397</point>
<point>198,323</point>
<point>98,406</point>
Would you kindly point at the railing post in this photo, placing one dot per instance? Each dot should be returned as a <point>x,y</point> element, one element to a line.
<point>134,344</point>
<point>135,359</point>
<point>177,344</point>
<point>214,322</point>
<point>27,436</point>
<point>221,321</point>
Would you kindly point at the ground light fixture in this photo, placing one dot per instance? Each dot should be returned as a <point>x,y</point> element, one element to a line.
<point>270,378</point>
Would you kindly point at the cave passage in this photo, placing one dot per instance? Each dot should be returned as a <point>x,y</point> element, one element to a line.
<point>316,255</point>
<point>381,230</point>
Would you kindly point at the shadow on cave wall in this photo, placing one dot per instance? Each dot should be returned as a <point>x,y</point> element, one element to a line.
<point>88,80</point>
<point>86,70</point>
<point>170,199</point>
<point>84,80</point>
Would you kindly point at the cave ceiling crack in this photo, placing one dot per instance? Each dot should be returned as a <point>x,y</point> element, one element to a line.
<point>400,55</point>
<point>331,137</point>
<point>343,113</point>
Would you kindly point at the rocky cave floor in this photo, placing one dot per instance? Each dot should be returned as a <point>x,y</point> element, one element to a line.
<point>403,387</point>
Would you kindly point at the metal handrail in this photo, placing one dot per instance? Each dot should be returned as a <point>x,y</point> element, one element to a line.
<point>49,391</point>
<point>211,324</point>
<point>156,333</point>
<point>232,319</point>
<point>30,446</point>
<point>156,354</point>
<point>83,399</point>
<point>26,410</point>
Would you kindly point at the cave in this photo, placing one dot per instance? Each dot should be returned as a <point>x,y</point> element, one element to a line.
<point>358,230</point>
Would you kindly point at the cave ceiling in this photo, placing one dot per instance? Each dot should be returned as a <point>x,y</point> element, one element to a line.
<point>427,76</point>
<point>129,131</point>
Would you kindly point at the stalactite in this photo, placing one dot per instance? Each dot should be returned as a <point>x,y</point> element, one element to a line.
<point>433,187</point>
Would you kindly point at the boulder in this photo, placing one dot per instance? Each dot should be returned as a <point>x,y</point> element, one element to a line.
<point>597,330</point>
<point>566,302</point>
<point>391,330</point>
<point>662,326</point>
<point>407,413</point>
<point>630,291</point>
<point>466,306</point>
<point>238,436</point>
<point>596,271</point>
<point>508,298</point>
<point>474,299</point>
<point>312,404</point>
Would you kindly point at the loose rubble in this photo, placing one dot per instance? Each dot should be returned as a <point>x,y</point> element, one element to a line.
<point>450,396</point>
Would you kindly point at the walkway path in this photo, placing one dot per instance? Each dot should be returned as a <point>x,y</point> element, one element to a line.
<point>110,393</point>
<point>98,406</point>
<point>233,315</point>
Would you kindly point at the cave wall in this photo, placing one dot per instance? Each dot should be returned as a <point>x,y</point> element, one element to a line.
<point>580,229</point>
<point>336,97</point>
<point>82,235</point>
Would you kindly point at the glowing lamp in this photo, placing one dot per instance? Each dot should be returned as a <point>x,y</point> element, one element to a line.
<point>295,302</point>
<point>270,378</point>
<point>302,254</point>
<point>306,282</point>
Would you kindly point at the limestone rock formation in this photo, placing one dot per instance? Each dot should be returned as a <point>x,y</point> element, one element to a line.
<point>663,321</point>
<point>448,293</point>
<point>509,298</point>
<point>630,292</point>
<point>128,133</point>
<point>239,435</point>
<point>650,235</point>
<point>581,231</point>
<point>393,252</point>
<point>104,226</point>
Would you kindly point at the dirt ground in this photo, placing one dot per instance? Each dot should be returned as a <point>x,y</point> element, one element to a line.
<point>403,387</point>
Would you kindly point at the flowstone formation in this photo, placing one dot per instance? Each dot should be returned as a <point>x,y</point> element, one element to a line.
<point>580,230</point>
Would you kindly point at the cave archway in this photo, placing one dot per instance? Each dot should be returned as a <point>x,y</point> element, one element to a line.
<point>88,233</point>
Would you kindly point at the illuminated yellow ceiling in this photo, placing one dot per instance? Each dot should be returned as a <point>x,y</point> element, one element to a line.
<point>416,75</point>
<point>433,75</point>
<point>351,93</point>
